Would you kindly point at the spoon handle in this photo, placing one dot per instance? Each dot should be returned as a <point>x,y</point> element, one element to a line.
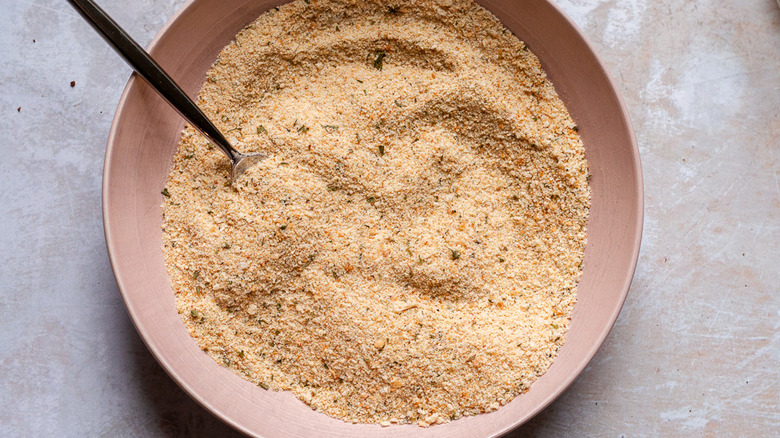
<point>148,69</point>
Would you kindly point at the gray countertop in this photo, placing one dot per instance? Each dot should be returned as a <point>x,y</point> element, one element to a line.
<point>695,351</point>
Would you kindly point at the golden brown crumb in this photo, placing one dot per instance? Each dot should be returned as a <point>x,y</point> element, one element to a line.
<point>409,251</point>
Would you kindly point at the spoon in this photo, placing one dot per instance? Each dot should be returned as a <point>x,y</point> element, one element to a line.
<point>151,71</point>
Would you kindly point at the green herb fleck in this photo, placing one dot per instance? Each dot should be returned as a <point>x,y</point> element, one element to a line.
<point>226,361</point>
<point>303,128</point>
<point>455,255</point>
<point>379,61</point>
<point>382,149</point>
<point>195,313</point>
<point>241,353</point>
<point>371,199</point>
<point>325,365</point>
<point>330,128</point>
<point>283,227</point>
<point>398,104</point>
<point>261,130</point>
<point>165,193</point>
<point>262,385</point>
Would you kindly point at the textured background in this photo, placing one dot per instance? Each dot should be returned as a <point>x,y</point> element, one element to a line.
<point>695,351</point>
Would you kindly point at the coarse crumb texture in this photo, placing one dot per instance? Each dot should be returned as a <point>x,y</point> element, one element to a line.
<point>409,250</point>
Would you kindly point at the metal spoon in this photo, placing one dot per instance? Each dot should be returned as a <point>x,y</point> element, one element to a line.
<point>148,69</point>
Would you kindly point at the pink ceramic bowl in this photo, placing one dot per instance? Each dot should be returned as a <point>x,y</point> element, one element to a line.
<point>141,146</point>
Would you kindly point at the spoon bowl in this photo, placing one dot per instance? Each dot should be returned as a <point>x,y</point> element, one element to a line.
<point>242,162</point>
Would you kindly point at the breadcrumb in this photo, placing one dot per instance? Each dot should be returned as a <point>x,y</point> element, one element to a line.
<point>409,252</point>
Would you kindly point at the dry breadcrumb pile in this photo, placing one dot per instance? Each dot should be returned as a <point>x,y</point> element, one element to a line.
<point>409,252</point>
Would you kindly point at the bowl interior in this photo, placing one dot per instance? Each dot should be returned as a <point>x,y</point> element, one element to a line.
<point>141,146</point>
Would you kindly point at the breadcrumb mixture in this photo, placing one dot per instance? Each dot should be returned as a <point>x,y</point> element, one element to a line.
<point>409,252</point>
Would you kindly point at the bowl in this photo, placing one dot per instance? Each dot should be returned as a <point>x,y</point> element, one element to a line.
<point>141,145</point>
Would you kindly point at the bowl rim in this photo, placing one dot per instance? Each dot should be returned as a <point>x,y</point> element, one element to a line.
<point>635,236</point>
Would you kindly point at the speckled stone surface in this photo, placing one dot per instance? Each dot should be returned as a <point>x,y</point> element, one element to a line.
<point>695,351</point>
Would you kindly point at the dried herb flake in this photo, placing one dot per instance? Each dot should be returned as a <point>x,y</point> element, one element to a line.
<point>379,61</point>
